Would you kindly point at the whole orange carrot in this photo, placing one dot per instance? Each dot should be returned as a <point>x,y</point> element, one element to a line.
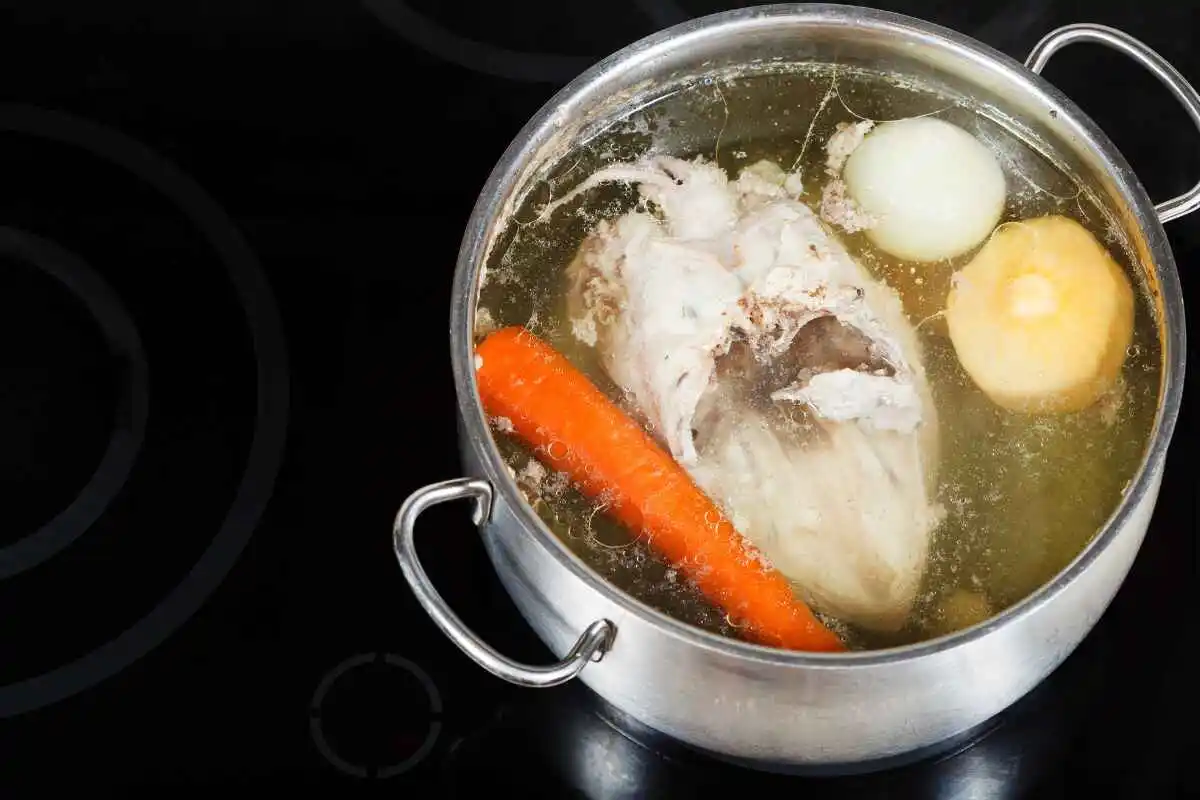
<point>576,430</point>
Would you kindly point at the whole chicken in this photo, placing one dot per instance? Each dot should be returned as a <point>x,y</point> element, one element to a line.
<point>778,372</point>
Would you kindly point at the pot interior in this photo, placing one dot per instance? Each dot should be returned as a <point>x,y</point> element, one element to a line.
<point>773,83</point>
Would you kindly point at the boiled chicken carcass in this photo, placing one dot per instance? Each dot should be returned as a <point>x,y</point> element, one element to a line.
<point>777,371</point>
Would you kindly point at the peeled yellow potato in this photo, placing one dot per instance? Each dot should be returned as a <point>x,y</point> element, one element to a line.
<point>1041,317</point>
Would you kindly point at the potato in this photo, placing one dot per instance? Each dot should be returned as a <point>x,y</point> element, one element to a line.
<point>1041,317</point>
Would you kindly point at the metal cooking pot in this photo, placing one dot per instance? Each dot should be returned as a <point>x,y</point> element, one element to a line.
<point>760,706</point>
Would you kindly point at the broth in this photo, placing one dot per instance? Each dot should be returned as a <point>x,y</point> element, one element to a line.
<point>1023,494</point>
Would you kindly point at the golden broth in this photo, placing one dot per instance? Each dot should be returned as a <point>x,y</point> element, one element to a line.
<point>1023,494</point>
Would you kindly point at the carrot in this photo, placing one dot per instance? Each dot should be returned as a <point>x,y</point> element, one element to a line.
<point>575,429</point>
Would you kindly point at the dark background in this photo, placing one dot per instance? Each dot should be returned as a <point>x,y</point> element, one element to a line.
<point>342,145</point>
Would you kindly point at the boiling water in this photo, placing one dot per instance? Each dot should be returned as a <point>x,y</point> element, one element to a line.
<point>1023,494</point>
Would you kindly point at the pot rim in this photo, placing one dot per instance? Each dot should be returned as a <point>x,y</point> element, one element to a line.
<point>507,175</point>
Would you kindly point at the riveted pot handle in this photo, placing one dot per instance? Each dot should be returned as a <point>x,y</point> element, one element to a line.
<point>591,646</point>
<point>1054,41</point>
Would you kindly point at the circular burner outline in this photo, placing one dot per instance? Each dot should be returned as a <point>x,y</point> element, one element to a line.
<point>271,418</point>
<point>489,59</point>
<point>125,443</point>
<point>419,30</point>
<point>317,729</point>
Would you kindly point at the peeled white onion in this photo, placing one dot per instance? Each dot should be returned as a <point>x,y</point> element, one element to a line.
<point>934,190</point>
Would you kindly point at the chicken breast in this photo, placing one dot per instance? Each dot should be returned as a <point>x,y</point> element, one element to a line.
<point>777,371</point>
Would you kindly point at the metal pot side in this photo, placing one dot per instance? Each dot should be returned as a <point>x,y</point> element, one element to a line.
<point>760,705</point>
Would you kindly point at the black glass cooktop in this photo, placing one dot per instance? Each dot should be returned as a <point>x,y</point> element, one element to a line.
<point>227,233</point>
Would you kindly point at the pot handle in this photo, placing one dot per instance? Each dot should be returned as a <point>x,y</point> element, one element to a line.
<point>591,646</point>
<point>1057,39</point>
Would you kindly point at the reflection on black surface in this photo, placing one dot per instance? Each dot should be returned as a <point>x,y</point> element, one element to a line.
<point>559,741</point>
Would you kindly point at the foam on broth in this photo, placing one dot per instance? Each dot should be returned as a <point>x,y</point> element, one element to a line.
<point>1023,494</point>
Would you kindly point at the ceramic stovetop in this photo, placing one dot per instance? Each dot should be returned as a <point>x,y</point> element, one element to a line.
<point>227,235</point>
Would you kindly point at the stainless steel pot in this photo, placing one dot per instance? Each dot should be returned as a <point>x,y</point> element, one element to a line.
<point>763,706</point>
